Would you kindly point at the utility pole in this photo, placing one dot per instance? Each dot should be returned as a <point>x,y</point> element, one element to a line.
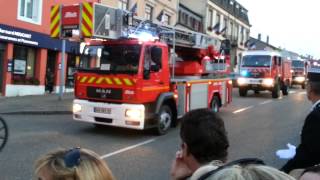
<point>62,69</point>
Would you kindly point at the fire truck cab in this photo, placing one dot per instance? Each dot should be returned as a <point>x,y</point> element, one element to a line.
<point>299,72</point>
<point>264,70</point>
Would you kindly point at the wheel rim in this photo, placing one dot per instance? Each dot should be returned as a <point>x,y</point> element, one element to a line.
<point>165,120</point>
<point>3,133</point>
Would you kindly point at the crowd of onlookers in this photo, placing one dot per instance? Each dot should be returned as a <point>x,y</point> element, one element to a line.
<point>203,153</point>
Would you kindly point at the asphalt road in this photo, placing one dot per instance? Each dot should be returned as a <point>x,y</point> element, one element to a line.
<point>257,126</point>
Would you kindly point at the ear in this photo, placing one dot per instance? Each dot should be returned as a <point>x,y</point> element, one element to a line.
<point>184,149</point>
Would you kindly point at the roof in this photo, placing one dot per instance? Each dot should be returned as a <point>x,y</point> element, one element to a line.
<point>258,52</point>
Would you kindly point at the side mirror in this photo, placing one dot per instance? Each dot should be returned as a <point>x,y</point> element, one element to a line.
<point>146,74</point>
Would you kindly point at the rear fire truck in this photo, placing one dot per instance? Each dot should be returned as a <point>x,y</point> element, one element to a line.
<point>264,70</point>
<point>146,75</point>
<point>299,72</point>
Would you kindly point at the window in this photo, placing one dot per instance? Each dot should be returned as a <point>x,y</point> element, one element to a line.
<point>30,11</point>
<point>242,35</point>
<point>218,22</point>
<point>210,18</point>
<point>148,12</point>
<point>166,19</point>
<point>24,65</point>
<point>123,4</point>
<point>236,32</point>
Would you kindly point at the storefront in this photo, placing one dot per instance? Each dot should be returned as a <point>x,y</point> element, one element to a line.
<point>31,61</point>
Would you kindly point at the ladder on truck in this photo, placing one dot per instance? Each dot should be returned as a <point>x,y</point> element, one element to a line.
<point>114,23</point>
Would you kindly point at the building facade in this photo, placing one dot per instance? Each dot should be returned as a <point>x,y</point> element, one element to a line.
<point>30,60</point>
<point>224,19</point>
<point>163,11</point>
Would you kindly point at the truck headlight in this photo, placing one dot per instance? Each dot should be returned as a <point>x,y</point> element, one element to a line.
<point>76,108</point>
<point>267,82</point>
<point>300,79</point>
<point>241,81</point>
<point>133,113</point>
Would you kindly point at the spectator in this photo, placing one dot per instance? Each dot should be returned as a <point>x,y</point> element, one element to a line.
<point>308,152</point>
<point>310,173</point>
<point>73,164</point>
<point>241,170</point>
<point>204,144</point>
<point>49,80</point>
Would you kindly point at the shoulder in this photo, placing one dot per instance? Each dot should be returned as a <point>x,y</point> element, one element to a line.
<point>202,171</point>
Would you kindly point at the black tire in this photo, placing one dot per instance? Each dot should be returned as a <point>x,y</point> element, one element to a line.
<point>256,92</point>
<point>285,90</point>
<point>165,118</point>
<point>215,104</point>
<point>4,133</point>
<point>276,91</point>
<point>303,86</point>
<point>242,92</point>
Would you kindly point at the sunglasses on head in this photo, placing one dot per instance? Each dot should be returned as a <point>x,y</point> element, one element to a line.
<point>240,162</point>
<point>72,157</point>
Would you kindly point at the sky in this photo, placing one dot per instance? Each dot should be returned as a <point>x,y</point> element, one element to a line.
<point>290,24</point>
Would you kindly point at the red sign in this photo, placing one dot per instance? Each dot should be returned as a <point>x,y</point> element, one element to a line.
<point>70,15</point>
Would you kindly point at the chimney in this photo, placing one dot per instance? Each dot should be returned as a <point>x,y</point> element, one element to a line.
<point>259,37</point>
<point>267,40</point>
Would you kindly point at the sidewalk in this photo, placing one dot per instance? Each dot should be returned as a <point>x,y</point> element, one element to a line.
<point>37,104</point>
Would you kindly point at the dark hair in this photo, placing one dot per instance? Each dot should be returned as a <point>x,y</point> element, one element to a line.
<point>315,87</point>
<point>204,133</point>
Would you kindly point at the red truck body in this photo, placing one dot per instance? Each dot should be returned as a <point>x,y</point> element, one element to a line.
<point>264,70</point>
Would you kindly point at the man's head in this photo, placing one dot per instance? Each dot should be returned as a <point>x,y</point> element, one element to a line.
<point>204,137</point>
<point>313,86</point>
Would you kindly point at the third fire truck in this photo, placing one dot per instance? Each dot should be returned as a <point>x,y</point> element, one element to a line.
<point>142,75</point>
<point>264,70</point>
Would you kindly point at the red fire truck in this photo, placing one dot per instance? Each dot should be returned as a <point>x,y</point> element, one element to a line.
<point>264,70</point>
<point>147,75</point>
<point>298,72</point>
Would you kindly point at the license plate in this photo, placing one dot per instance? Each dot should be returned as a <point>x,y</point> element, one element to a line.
<point>254,81</point>
<point>102,110</point>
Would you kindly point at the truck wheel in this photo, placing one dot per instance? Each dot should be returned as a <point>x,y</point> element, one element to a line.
<point>242,91</point>
<point>285,90</point>
<point>164,120</point>
<point>276,91</point>
<point>215,104</point>
<point>303,85</point>
<point>256,92</point>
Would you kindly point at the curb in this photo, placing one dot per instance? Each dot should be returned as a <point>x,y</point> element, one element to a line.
<point>37,113</point>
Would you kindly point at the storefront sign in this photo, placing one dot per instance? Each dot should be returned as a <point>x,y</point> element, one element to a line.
<point>19,66</point>
<point>17,36</point>
<point>31,38</point>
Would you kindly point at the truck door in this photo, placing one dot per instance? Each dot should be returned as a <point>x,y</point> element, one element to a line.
<point>155,78</point>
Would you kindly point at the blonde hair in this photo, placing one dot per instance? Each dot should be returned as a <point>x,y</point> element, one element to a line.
<point>250,172</point>
<point>90,167</point>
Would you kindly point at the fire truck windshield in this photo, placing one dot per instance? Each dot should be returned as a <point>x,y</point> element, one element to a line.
<point>111,58</point>
<point>297,64</point>
<point>256,61</point>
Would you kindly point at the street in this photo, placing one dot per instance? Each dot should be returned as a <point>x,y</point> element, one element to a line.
<point>257,126</point>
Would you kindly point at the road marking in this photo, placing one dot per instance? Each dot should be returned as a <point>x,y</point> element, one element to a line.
<point>265,102</point>
<point>242,109</point>
<point>291,92</point>
<point>304,92</point>
<point>127,148</point>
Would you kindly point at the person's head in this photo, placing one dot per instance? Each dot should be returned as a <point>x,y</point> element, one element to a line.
<point>313,87</point>
<point>73,164</point>
<point>203,136</point>
<point>250,172</point>
<point>311,173</point>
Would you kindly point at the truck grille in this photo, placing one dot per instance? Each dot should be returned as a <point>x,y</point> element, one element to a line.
<point>104,93</point>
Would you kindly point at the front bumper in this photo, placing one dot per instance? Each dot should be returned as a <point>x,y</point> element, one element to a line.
<point>109,114</point>
<point>298,80</point>
<point>256,83</point>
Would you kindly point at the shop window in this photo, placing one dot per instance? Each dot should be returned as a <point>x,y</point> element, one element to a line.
<point>24,60</point>
<point>30,11</point>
